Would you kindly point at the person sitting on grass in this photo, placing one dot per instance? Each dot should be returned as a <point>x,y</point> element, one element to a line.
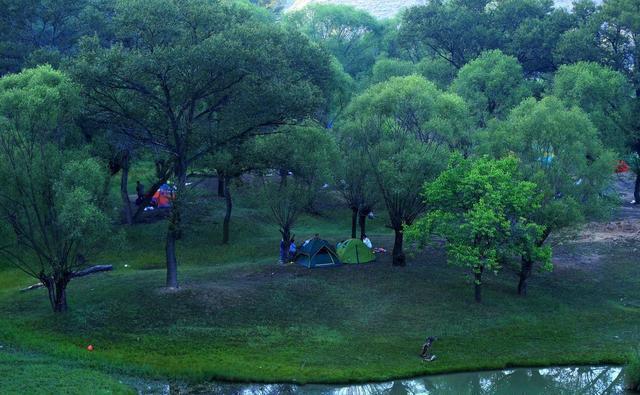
<point>292,250</point>
<point>367,242</point>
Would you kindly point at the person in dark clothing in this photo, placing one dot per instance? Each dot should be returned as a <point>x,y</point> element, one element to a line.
<point>292,250</point>
<point>139,192</point>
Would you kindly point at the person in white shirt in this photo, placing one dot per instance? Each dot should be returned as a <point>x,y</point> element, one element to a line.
<point>367,242</point>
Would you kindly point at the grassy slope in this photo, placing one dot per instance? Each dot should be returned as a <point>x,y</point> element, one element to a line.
<point>238,316</point>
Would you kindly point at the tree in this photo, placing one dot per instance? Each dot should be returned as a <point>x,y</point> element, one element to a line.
<point>454,30</point>
<point>482,210</point>
<point>34,32</point>
<point>187,77</point>
<point>307,151</point>
<point>231,162</point>
<point>559,150</point>
<point>604,94</point>
<point>286,203</point>
<point>620,34</point>
<point>533,42</point>
<point>583,42</point>
<point>356,183</point>
<point>406,128</point>
<point>54,195</point>
<point>385,68</point>
<point>351,35</point>
<point>491,85</point>
<point>438,71</point>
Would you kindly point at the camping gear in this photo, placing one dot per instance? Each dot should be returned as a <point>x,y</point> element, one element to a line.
<point>317,253</point>
<point>355,251</point>
<point>163,196</point>
<point>622,167</point>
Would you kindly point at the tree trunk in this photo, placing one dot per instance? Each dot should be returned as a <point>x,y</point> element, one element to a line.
<point>172,261</point>
<point>399,258</point>
<point>221,184</point>
<point>227,214</point>
<point>124,190</point>
<point>362,221</point>
<point>57,289</point>
<point>61,297</point>
<point>636,190</point>
<point>286,244</point>
<point>283,177</point>
<point>174,231</point>
<point>526,265</point>
<point>478,284</point>
<point>354,222</point>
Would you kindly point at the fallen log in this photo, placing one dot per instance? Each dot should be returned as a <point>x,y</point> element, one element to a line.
<point>80,273</point>
<point>92,270</point>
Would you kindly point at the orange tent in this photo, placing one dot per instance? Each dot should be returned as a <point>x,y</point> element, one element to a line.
<point>163,196</point>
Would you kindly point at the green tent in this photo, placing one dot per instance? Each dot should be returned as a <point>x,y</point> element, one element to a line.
<point>316,253</point>
<point>355,251</point>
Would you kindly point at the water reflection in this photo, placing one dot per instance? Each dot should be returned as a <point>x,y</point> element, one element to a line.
<point>558,381</point>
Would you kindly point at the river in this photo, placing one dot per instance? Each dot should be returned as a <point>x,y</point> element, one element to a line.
<point>584,380</point>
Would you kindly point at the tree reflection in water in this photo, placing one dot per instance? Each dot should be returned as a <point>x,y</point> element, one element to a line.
<point>558,381</point>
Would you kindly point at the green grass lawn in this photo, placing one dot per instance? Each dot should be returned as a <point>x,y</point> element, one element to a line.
<point>25,373</point>
<point>239,316</point>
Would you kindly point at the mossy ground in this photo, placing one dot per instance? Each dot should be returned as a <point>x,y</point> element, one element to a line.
<point>238,316</point>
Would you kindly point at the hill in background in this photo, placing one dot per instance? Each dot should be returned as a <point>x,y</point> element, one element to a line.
<point>383,8</point>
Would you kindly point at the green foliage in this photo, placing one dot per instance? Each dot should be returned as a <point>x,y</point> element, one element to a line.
<point>37,32</point>
<point>438,71</point>
<point>619,34</point>
<point>604,94</point>
<point>559,150</point>
<point>534,41</point>
<point>386,68</point>
<point>491,85</point>
<point>351,35</point>
<point>54,195</point>
<point>454,30</point>
<point>406,127</point>
<point>482,209</point>
<point>308,151</point>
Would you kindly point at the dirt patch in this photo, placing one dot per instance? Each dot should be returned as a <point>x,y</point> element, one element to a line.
<point>618,231</point>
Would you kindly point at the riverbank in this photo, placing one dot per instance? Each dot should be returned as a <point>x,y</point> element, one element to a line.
<point>238,316</point>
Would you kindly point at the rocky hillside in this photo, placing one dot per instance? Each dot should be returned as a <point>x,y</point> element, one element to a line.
<point>381,8</point>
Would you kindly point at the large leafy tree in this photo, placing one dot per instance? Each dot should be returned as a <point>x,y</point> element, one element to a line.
<point>53,194</point>
<point>454,30</point>
<point>491,85</point>
<point>559,150</point>
<point>604,94</point>
<point>38,31</point>
<point>185,78</point>
<point>308,151</point>
<point>351,35</point>
<point>482,209</point>
<point>406,128</point>
<point>534,41</point>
